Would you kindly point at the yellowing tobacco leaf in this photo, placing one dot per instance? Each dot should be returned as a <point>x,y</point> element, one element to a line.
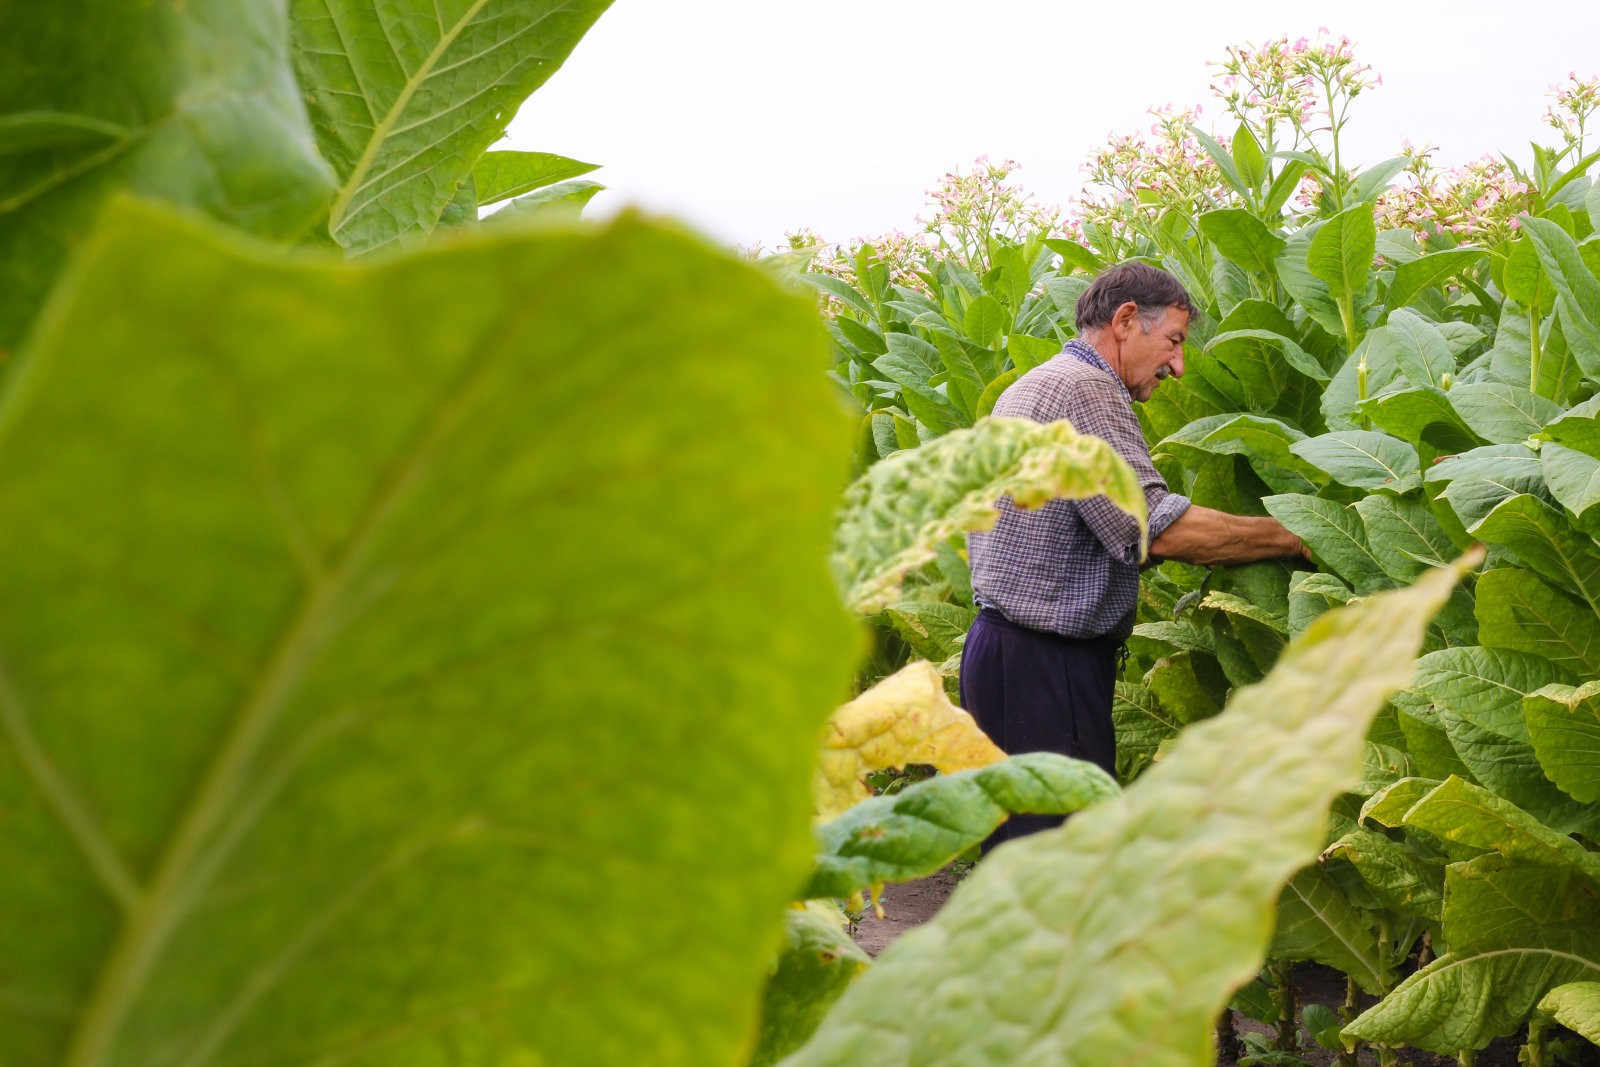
<point>906,718</point>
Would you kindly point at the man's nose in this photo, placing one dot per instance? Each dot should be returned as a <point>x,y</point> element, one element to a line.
<point>1177,364</point>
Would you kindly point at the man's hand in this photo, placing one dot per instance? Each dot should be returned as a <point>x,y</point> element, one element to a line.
<point>1209,537</point>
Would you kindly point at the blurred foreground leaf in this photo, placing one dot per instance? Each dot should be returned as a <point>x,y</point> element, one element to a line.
<point>1118,938</point>
<point>377,680</point>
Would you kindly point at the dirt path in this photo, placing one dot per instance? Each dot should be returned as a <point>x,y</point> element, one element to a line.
<point>906,905</point>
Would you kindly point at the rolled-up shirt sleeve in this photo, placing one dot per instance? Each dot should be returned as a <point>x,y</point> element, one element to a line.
<point>1100,407</point>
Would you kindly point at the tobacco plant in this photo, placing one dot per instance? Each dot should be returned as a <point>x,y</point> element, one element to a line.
<point>1397,364</point>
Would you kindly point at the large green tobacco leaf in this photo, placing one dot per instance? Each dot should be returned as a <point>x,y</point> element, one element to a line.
<point>1247,353</point>
<point>1426,742</point>
<point>1411,538</point>
<point>1308,290</point>
<point>1142,727</point>
<point>1573,478</point>
<point>1417,347</point>
<point>1189,685</point>
<point>1500,413</point>
<point>1265,442</point>
<point>913,833</point>
<point>193,103</point>
<point>1119,937</point>
<point>1341,252</point>
<point>1395,872</point>
<point>1317,921</point>
<point>406,95</point>
<point>1311,594</point>
<point>1577,290</point>
<point>1576,1005</point>
<point>1363,459</point>
<point>1476,482</point>
<point>1178,403</point>
<point>1339,400</point>
<point>1518,611</point>
<point>1475,818</point>
<point>1542,538</point>
<point>933,628</point>
<point>499,176</point>
<point>1487,683</point>
<point>1511,358</point>
<point>817,963</point>
<point>1564,726</point>
<point>1508,765</point>
<point>1335,536</point>
<point>910,363</point>
<point>384,628</point>
<point>1421,413</point>
<point>1578,427</point>
<point>1525,278</point>
<point>896,515</point>
<point>1243,238</point>
<point>1426,271</point>
<point>1516,931</point>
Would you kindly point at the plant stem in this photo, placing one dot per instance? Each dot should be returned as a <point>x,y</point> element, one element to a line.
<point>1338,171</point>
<point>1282,976</point>
<point>1535,349</point>
<point>1533,1051</point>
<point>1347,315</point>
<point>1347,1015</point>
<point>1425,951</point>
<point>1466,1057</point>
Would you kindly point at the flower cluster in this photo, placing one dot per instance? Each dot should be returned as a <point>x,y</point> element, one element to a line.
<point>1135,178</point>
<point>971,212</point>
<point>902,254</point>
<point>1479,201</point>
<point>1298,88</point>
<point>1572,105</point>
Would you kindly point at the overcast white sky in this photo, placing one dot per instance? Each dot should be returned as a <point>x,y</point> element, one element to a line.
<point>748,117</point>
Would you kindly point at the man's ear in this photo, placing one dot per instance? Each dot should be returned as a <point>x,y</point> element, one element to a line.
<point>1122,319</point>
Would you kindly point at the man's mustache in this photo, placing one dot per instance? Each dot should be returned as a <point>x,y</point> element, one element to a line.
<point>1163,372</point>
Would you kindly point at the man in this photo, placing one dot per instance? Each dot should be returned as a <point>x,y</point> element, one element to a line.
<point>1057,586</point>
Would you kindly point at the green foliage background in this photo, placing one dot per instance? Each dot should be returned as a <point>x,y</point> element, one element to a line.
<point>392,676</point>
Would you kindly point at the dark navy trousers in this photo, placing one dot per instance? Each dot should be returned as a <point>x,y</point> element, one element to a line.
<point>1033,691</point>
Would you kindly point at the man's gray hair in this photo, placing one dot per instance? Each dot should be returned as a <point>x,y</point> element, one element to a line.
<point>1151,290</point>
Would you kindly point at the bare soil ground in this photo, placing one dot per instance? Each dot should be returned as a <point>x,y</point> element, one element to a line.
<point>913,903</point>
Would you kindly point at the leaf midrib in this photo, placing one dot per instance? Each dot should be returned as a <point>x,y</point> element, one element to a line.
<point>380,133</point>
<point>162,906</point>
<point>1332,928</point>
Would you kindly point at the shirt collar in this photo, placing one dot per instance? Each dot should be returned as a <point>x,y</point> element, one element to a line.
<point>1085,352</point>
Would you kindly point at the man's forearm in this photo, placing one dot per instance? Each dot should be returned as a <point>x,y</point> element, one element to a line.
<point>1210,537</point>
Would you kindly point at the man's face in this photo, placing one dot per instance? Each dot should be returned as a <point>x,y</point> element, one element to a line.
<point>1150,355</point>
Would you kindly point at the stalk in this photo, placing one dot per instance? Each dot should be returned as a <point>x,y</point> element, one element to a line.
<point>1347,315</point>
<point>1533,1051</point>
<point>1338,171</point>
<point>1467,1057</point>
<point>1361,383</point>
<point>1425,950</point>
<point>1533,365</point>
<point>1347,1014</point>
<point>1285,1039</point>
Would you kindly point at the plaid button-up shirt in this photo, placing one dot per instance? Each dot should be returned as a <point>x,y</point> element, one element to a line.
<point>1072,566</point>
